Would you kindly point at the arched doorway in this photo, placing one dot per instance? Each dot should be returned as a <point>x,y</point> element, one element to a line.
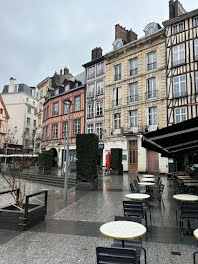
<point>55,156</point>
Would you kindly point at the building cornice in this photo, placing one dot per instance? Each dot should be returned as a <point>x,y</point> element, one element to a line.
<point>180,18</point>
<point>93,62</point>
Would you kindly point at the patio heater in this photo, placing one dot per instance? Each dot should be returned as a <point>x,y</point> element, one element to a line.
<point>68,103</point>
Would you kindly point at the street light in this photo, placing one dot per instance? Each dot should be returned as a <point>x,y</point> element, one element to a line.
<point>67,102</point>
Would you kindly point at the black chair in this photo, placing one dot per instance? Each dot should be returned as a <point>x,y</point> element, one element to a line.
<point>137,243</point>
<point>133,189</point>
<point>136,209</point>
<point>137,185</point>
<point>107,255</point>
<point>188,211</point>
<point>138,179</point>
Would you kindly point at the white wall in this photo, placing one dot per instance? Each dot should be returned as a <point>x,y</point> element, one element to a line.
<point>163,164</point>
<point>141,156</point>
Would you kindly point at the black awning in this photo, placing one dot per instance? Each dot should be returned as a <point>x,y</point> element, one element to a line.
<point>173,140</point>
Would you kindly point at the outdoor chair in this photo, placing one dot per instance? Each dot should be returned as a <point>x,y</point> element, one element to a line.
<point>133,189</point>
<point>188,211</point>
<point>137,209</point>
<point>136,185</point>
<point>137,243</point>
<point>138,179</point>
<point>107,255</point>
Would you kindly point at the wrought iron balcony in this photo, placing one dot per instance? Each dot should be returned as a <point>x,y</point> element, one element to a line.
<point>117,77</point>
<point>151,66</point>
<point>133,71</point>
<point>151,94</point>
<point>132,98</point>
<point>116,102</point>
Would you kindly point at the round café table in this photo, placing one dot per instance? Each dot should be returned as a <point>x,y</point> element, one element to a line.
<point>146,183</point>
<point>123,230</point>
<point>137,196</point>
<point>195,233</point>
<point>148,176</point>
<point>147,179</point>
<point>186,197</point>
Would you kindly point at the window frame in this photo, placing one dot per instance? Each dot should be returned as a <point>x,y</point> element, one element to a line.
<point>179,83</point>
<point>152,60</point>
<point>117,121</point>
<point>117,72</point>
<point>152,117</point>
<point>196,48</point>
<point>151,90</point>
<point>133,118</point>
<point>99,108</point>
<point>180,114</point>
<point>90,130</point>
<point>55,113</point>
<point>180,53</point>
<point>100,68</point>
<point>55,130</point>
<point>78,123</point>
<point>117,96</point>
<point>91,71</point>
<point>77,103</point>
<point>100,89</point>
<point>176,28</point>
<point>133,70</point>
<point>133,92</point>
<point>90,114</point>
<point>99,130</point>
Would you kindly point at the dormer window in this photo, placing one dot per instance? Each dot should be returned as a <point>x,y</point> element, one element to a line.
<point>118,43</point>
<point>56,91</point>
<point>151,28</point>
<point>67,87</point>
<point>196,21</point>
<point>177,28</point>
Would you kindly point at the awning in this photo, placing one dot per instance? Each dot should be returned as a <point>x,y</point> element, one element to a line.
<point>174,140</point>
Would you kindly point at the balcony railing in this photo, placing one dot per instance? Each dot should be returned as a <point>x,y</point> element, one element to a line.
<point>117,77</point>
<point>151,94</point>
<point>133,71</point>
<point>132,98</point>
<point>151,66</point>
<point>116,102</point>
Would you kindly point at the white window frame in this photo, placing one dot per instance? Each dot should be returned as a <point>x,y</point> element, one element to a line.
<point>28,120</point>
<point>117,72</point>
<point>196,80</point>
<point>91,90</point>
<point>196,21</point>
<point>178,28</point>
<point>100,68</point>
<point>55,131</point>
<point>133,118</point>
<point>99,108</point>
<point>133,66</point>
<point>65,128</point>
<point>90,129</point>
<point>133,92</point>
<point>57,91</point>
<point>90,110</point>
<point>178,54</point>
<point>100,87</point>
<point>67,87</point>
<point>180,114</point>
<point>117,121</point>
<point>29,109</point>
<point>196,48</point>
<point>55,111</point>
<point>151,60</point>
<point>179,86</point>
<point>76,127</point>
<point>152,116</point>
<point>117,95</point>
<point>77,103</point>
<point>91,72</point>
<point>98,129</point>
<point>151,86</point>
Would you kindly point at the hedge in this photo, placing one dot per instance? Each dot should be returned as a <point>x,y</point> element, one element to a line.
<point>45,160</point>
<point>86,157</point>
<point>116,160</point>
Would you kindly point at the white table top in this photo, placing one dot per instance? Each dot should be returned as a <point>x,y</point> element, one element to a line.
<point>189,180</point>
<point>148,176</point>
<point>146,183</point>
<point>123,230</point>
<point>148,179</point>
<point>184,177</point>
<point>186,197</point>
<point>195,233</point>
<point>193,184</point>
<point>137,196</point>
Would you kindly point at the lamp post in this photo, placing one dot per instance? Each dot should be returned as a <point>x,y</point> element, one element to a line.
<point>67,102</point>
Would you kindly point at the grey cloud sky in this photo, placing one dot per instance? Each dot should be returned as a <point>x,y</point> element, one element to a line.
<point>39,37</point>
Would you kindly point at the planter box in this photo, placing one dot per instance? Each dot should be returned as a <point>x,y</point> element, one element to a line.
<point>12,218</point>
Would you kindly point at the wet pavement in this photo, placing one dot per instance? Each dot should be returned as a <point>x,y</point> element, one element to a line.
<point>71,234</point>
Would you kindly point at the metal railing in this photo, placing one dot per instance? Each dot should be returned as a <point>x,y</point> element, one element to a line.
<point>151,66</point>
<point>132,98</point>
<point>117,77</point>
<point>151,94</point>
<point>133,71</point>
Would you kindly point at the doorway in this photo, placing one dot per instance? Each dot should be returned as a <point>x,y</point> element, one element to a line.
<point>152,161</point>
<point>133,155</point>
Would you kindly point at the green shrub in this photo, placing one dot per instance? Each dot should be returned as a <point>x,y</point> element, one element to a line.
<point>116,160</point>
<point>86,157</point>
<point>45,160</point>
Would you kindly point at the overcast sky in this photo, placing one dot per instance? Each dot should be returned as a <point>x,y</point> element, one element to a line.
<point>39,37</point>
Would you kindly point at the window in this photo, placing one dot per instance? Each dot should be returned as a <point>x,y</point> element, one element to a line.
<point>133,67</point>
<point>117,72</point>
<point>34,123</point>
<point>117,121</point>
<point>196,21</point>
<point>196,49</point>
<point>100,68</point>
<point>91,72</point>
<point>152,116</point>
<point>44,114</point>
<point>90,129</point>
<point>76,127</point>
<point>91,88</point>
<point>133,92</point>
<point>33,103</point>
<point>29,109</point>
<point>133,118</point>
<point>179,86</point>
<point>1,111</point>
<point>90,111</point>
<point>177,28</point>
<point>67,87</point>
<point>100,87</point>
<point>27,131</point>
<point>27,99</point>
<point>28,120</point>
<point>55,131</point>
<point>40,106</point>
<point>39,120</point>
<point>179,54</point>
<point>16,88</point>
<point>47,112</point>
<point>99,108</point>
<point>56,91</point>
<point>117,96</point>
<point>180,114</point>
<point>151,61</point>
<point>65,129</point>
<point>65,108</point>
<point>196,76</point>
<point>77,103</point>
<point>55,109</point>
<point>151,88</point>
<point>41,94</point>
<point>35,112</point>
<point>99,130</point>
<point>47,132</point>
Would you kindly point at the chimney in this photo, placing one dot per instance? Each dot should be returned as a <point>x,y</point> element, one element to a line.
<point>96,53</point>
<point>66,70</point>
<point>124,34</point>
<point>175,9</point>
<point>12,83</point>
<point>61,71</point>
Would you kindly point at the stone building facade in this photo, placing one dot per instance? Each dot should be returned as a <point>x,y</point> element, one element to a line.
<point>55,117</point>
<point>135,96</point>
<point>95,98</point>
<point>4,117</point>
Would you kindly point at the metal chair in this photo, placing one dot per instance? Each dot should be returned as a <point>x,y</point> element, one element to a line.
<point>133,189</point>
<point>136,185</point>
<point>107,255</point>
<point>137,243</point>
